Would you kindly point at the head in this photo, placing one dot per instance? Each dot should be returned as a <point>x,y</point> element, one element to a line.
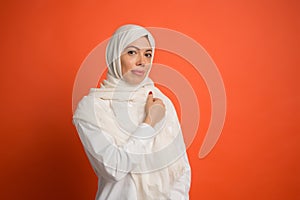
<point>129,54</point>
<point>136,60</point>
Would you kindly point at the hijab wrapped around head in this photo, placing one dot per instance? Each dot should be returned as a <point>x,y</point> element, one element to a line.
<point>119,41</point>
<point>118,108</point>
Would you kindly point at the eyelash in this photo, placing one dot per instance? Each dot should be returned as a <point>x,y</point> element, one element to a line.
<point>131,52</point>
<point>148,55</point>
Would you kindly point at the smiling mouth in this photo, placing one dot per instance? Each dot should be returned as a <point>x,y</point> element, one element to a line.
<point>138,72</point>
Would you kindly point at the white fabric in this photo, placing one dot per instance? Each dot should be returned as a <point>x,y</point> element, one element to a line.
<point>114,184</point>
<point>131,159</point>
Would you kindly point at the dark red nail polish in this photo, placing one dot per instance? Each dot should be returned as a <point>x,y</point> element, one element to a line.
<point>150,92</point>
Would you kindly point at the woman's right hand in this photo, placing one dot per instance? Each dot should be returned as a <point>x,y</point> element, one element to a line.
<point>155,110</point>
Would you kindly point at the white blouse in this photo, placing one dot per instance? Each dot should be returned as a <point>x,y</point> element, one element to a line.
<point>113,182</point>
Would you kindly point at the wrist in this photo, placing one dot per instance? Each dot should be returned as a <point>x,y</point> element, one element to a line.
<point>148,121</point>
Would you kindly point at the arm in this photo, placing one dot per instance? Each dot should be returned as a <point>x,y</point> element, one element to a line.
<point>107,159</point>
<point>181,187</point>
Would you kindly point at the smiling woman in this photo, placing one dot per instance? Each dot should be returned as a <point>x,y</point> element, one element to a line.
<point>135,60</point>
<point>129,128</point>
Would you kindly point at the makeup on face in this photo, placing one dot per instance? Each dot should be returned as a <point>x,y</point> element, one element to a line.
<point>136,60</point>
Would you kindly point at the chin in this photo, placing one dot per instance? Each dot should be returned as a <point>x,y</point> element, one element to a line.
<point>134,80</point>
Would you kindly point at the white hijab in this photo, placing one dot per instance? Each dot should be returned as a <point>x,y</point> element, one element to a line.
<point>121,110</point>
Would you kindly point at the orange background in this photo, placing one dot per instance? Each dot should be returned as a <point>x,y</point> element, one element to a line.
<point>255,44</point>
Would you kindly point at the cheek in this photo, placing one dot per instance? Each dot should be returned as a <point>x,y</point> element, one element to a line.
<point>126,65</point>
<point>124,70</point>
<point>148,67</point>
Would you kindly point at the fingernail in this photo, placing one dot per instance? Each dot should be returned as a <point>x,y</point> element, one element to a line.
<point>150,92</point>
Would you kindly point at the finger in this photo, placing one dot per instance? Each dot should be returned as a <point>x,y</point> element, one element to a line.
<point>150,96</point>
<point>157,99</point>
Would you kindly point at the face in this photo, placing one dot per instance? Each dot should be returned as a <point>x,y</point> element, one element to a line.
<point>135,61</point>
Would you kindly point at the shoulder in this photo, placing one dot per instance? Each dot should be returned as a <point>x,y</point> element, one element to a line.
<point>87,108</point>
<point>159,94</point>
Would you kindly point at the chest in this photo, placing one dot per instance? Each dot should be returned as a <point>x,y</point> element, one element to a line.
<point>120,119</point>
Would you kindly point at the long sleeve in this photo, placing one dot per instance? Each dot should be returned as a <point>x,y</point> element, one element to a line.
<point>109,160</point>
<point>181,187</point>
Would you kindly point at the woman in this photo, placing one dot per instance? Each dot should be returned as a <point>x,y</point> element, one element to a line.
<point>129,128</point>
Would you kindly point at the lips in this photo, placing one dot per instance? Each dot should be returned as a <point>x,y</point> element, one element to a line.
<point>138,72</point>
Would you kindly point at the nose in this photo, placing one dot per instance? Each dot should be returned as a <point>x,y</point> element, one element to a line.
<point>141,60</point>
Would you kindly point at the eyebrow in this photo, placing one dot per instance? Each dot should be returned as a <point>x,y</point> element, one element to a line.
<point>137,48</point>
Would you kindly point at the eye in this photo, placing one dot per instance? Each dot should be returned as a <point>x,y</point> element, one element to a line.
<point>131,52</point>
<point>148,55</point>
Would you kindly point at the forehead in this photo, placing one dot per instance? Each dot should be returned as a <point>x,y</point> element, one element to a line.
<point>141,43</point>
